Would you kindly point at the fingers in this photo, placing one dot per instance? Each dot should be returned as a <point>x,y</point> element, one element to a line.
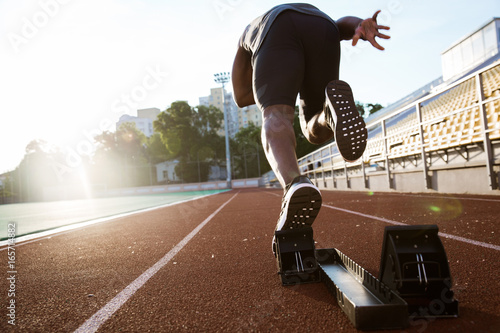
<point>368,30</point>
<point>378,33</point>
<point>376,45</point>
<point>383,36</point>
<point>355,39</point>
<point>372,40</point>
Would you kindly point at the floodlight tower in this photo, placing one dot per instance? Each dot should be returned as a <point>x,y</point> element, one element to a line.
<point>223,78</point>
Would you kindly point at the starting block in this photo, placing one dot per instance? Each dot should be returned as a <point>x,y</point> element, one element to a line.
<point>414,276</point>
<point>415,265</point>
<point>295,254</point>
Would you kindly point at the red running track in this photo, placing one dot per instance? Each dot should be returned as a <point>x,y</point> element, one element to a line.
<point>207,265</point>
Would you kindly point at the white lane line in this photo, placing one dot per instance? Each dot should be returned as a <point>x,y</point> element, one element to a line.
<point>442,234</point>
<point>366,215</point>
<point>93,323</point>
<point>457,238</point>
<point>443,197</point>
<point>35,237</point>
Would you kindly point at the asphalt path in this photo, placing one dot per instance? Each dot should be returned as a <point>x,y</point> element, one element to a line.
<point>206,266</point>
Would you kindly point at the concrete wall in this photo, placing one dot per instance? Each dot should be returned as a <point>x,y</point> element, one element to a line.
<point>470,179</point>
<point>459,170</point>
<point>145,190</point>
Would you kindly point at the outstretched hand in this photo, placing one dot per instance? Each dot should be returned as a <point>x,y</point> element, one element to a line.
<point>369,29</point>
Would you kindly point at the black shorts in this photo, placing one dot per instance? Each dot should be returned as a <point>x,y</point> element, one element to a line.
<point>300,54</point>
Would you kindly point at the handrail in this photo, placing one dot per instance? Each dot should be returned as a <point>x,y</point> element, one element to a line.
<point>310,158</point>
<point>436,93</point>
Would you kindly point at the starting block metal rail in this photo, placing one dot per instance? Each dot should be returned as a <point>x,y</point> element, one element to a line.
<point>414,276</point>
<point>367,303</point>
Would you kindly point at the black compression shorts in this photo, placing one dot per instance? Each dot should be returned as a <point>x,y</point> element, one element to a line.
<point>300,54</point>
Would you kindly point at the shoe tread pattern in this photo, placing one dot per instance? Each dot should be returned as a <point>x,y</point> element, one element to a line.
<point>303,208</point>
<point>350,129</point>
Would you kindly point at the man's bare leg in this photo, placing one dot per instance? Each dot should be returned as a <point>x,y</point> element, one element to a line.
<point>301,200</point>
<point>278,140</point>
<point>316,130</point>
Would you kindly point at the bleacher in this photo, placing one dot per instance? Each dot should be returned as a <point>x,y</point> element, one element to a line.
<point>451,120</point>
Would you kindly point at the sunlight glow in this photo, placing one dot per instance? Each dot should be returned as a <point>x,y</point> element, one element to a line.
<point>435,209</point>
<point>85,184</point>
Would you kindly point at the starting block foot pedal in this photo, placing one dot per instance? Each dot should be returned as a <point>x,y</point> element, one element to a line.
<point>414,264</point>
<point>295,255</point>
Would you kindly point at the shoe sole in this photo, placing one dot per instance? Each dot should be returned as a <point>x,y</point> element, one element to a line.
<point>349,127</point>
<point>302,208</point>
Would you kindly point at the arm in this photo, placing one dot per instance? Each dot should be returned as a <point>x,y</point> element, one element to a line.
<point>347,26</point>
<point>242,78</point>
<point>354,28</point>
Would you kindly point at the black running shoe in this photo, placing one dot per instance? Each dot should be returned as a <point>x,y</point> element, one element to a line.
<point>345,121</point>
<point>299,207</point>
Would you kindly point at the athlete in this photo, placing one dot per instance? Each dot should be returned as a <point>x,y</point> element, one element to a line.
<point>291,50</point>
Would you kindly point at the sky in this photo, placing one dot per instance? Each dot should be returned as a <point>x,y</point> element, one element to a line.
<point>70,68</point>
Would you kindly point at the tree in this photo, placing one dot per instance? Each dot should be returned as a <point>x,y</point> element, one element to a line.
<point>121,158</point>
<point>8,193</point>
<point>361,108</point>
<point>248,156</point>
<point>190,136</point>
<point>130,143</point>
<point>156,150</point>
<point>374,108</point>
<point>39,169</point>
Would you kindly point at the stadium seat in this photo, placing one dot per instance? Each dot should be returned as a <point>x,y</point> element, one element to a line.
<point>449,120</point>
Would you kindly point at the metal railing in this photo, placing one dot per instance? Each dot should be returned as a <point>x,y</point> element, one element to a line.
<point>326,161</point>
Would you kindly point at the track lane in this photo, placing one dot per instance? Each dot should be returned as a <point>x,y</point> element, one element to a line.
<point>441,234</point>
<point>64,280</point>
<point>460,216</point>
<point>101,316</point>
<point>225,278</point>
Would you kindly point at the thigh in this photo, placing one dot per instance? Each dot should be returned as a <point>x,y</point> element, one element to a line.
<point>322,57</point>
<point>278,66</point>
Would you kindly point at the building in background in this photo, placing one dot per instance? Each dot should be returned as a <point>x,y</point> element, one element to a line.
<point>238,118</point>
<point>165,172</point>
<point>249,114</point>
<point>472,51</point>
<point>150,113</point>
<point>143,122</point>
<point>215,99</point>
